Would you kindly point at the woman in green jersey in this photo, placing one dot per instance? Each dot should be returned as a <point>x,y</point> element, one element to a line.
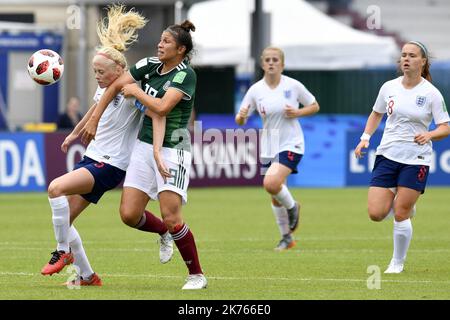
<point>167,88</point>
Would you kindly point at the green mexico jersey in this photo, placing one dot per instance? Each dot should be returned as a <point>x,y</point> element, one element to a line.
<point>154,83</point>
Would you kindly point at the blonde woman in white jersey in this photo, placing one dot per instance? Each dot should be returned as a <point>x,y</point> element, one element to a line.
<point>276,98</point>
<point>106,158</point>
<point>404,155</point>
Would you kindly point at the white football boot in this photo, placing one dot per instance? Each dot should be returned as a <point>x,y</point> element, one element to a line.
<point>394,267</point>
<point>195,281</point>
<point>165,247</point>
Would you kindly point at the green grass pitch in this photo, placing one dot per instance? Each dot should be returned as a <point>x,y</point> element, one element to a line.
<point>235,232</point>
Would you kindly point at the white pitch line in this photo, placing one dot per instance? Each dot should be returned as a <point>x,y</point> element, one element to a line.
<point>206,240</point>
<point>116,275</point>
<point>299,251</point>
<point>17,274</point>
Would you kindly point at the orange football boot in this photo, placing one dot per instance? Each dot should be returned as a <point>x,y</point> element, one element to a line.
<point>94,280</point>
<point>59,260</point>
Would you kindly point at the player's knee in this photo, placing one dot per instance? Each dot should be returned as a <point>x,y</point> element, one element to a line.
<point>128,217</point>
<point>402,212</point>
<point>375,214</point>
<point>55,189</point>
<point>129,220</point>
<point>375,217</point>
<point>171,216</point>
<point>271,186</point>
<point>171,222</point>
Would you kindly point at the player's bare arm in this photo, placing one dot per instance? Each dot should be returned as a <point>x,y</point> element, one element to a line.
<point>159,106</point>
<point>372,124</point>
<point>441,132</point>
<point>76,131</point>
<point>159,129</point>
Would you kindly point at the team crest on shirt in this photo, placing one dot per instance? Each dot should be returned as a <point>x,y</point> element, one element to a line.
<point>166,85</point>
<point>117,100</point>
<point>420,101</point>
<point>287,94</point>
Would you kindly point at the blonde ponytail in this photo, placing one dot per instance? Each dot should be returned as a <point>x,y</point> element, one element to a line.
<point>118,31</point>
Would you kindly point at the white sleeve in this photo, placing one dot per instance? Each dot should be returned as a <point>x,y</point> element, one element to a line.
<point>438,108</point>
<point>380,103</point>
<point>249,100</point>
<point>303,95</point>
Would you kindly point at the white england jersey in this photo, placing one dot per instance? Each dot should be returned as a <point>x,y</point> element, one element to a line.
<point>116,133</point>
<point>279,133</point>
<point>409,112</point>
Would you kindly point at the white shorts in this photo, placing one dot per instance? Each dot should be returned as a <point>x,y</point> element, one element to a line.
<point>142,172</point>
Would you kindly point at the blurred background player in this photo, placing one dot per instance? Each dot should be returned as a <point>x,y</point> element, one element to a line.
<point>404,155</point>
<point>70,118</point>
<point>168,88</point>
<point>106,159</point>
<point>276,97</point>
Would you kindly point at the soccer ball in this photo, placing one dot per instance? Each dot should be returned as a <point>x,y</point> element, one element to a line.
<point>45,67</point>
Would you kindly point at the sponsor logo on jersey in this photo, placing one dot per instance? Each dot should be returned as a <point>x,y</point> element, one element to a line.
<point>287,94</point>
<point>421,100</point>
<point>166,85</point>
<point>179,77</point>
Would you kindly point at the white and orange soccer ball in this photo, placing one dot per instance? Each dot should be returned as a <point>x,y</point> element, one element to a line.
<point>45,67</point>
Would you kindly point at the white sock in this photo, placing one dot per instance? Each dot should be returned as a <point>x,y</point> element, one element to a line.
<point>81,260</point>
<point>402,238</point>
<point>282,219</point>
<point>61,217</point>
<point>285,198</point>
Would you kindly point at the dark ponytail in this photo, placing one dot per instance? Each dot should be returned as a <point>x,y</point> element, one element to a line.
<point>187,26</point>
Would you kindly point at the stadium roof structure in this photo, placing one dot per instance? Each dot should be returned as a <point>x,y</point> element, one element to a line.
<point>309,38</point>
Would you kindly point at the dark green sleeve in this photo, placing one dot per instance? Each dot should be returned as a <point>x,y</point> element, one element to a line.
<point>143,67</point>
<point>185,81</point>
